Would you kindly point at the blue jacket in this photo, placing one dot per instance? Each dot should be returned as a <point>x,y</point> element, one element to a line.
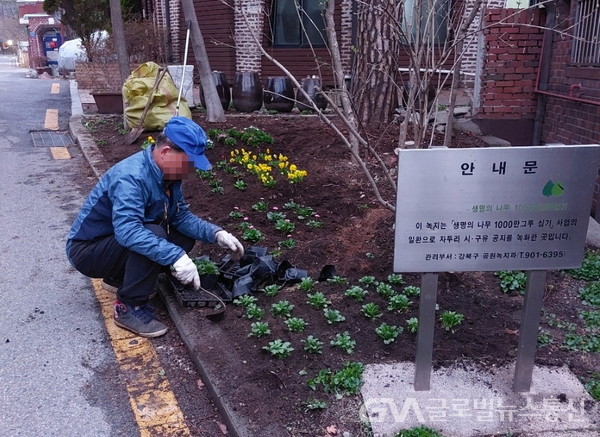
<point>130,195</point>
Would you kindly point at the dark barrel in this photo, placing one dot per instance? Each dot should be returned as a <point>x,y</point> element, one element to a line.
<point>312,86</point>
<point>279,94</point>
<point>247,91</point>
<point>220,80</point>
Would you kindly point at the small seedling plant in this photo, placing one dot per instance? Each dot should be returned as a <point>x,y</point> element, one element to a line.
<point>279,348</point>
<point>412,325</point>
<point>296,324</point>
<point>337,280</point>
<point>333,316</point>
<point>313,345</point>
<point>512,280</point>
<point>385,290</point>
<point>259,329</point>
<point>371,310</point>
<point>590,268</point>
<point>253,311</point>
<point>283,308</point>
<point>271,290</point>
<point>451,319</point>
<point>388,333</point>
<point>306,284</point>
<point>419,431</point>
<point>346,381</point>
<point>344,341</point>
<point>411,291</point>
<point>368,281</point>
<point>356,292</point>
<point>395,279</point>
<point>318,300</point>
<point>245,300</point>
<point>398,303</point>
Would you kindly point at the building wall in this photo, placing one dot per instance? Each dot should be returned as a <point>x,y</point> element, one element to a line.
<point>511,55</point>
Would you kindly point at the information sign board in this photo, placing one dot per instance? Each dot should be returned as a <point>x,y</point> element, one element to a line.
<point>498,208</point>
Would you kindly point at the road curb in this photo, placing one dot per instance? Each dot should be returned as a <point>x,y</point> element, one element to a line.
<point>99,166</point>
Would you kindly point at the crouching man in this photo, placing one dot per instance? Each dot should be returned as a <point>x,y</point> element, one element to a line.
<point>135,223</point>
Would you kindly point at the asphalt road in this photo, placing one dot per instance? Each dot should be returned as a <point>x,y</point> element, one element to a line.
<point>57,369</point>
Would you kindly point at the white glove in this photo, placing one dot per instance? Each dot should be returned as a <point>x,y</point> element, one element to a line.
<point>228,241</point>
<point>186,272</point>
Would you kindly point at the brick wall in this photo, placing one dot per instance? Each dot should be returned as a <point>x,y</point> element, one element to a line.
<point>471,44</point>
<point>512,47</point>
<point>247,51</point>
<point>345,34</point>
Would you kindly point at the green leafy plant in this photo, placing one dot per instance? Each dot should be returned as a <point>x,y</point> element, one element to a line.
<point>591,320</point>
<point>357,293</point>
<point>304,212</point>
<point>590,268</point>
<point>275,216</point>
<point>260,206</point>
<point>344,341</point>
<point>236,214</point>
<point>333,316</point>
<point>337,280</point>
<point>296,324</point>
<point>245,300</point>
<point>419,431</point>
<point>314,223</point>
<point>592,385</point>
<point>283,308</point>
<point>371,310</point>
<point>395,279</point>
<point>216,186</point>
<point>314,404</point>
<point>279,348</point>
<point>252,234</point>
<point>291,205</point>
<point>584,342</point>
<point>367,280</point>
<point>240,185</point>
<point>385,290</point>
<point>398,303</point>
<point>206,267</point>
<point>544,338</point>
<point>306,284</point>
<point>254,136</point>
<point>411,290</point>
<point>285,226</point>
<point>271,290</point>
<point>148,142</point>
<point>313,345</point>
<point>290,243</point>
<point>512,280</point>
<point>346,381</point>
<point>388,333</point>
<point>412,325</point>
<point>590,294</point>
<point>259,329</point>
<point>318,300</point>
<point>451,319</point>
<point>253,311</point>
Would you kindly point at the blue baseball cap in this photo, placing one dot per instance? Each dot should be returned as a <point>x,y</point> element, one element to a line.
<point>188,136</point>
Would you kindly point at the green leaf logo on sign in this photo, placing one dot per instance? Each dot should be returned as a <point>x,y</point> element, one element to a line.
<point>553,189</point>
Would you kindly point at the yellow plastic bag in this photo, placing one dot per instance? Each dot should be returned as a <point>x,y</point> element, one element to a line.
<point>136,92</point>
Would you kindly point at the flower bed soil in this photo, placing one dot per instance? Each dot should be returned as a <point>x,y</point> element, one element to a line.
<point>357,238</point>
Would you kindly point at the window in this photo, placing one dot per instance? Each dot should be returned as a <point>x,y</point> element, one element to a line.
<point>298,23</point>
<point>586,35</point>
<point>417,13</point>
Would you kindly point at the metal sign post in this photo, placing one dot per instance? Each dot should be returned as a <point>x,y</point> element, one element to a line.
<point>424,356</point>
<point>528,332</point>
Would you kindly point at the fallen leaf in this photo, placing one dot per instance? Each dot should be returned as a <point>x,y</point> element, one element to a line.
<point>332,430</point>
<point>200,384</point>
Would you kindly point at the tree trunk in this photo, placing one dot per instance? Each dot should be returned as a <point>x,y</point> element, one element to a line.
<point>214,108</point>
<point>375,71</point>
<point>116,18</point>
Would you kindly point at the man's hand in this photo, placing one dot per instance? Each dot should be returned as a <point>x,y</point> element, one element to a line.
<point>228,241</point>
<point>186,272</point>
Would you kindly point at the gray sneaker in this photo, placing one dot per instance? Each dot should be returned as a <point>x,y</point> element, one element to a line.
<point>138,319</point>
